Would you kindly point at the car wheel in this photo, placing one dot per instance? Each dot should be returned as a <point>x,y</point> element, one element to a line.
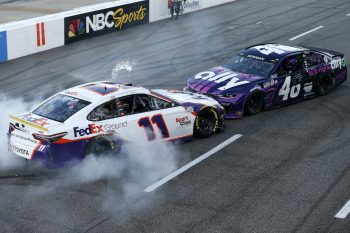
<point>206,123</point>
<point>100,146</point>
<point>254,103</point>
<point>324,84</point>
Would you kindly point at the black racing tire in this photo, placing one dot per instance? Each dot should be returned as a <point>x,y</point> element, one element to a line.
<point>254,103</point>
<point>324,84</point>
<point>100,146</point>
<point>206,123</point>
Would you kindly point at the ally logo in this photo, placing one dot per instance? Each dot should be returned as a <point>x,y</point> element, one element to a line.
<point>76,27</point>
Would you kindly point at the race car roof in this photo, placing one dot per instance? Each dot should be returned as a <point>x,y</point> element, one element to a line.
<point>97,91</point>
<point>270,52</point>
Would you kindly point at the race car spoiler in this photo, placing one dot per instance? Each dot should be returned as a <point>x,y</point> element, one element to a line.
<point>33,125</point>
<point>327,51</point>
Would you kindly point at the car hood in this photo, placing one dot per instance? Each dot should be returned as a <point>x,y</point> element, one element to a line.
<point>182,97</point>
<point>219,80</point>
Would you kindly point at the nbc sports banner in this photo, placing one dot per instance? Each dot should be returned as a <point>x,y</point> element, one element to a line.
<point>91,24</point>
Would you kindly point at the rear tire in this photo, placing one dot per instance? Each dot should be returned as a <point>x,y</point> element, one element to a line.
<point>206,123</point>
<point>100,146</point>
<point>254,103</point>
<point>324,84</point>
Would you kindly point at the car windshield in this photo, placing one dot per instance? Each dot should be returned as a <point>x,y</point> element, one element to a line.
<point>60,107</point>
<point>249,66</point>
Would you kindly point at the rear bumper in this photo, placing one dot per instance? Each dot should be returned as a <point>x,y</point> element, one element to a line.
<point>51,155</point>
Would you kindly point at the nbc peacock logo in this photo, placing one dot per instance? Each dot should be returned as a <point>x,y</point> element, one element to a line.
<point>76,28</point>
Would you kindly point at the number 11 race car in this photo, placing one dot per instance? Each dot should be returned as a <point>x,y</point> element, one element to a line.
<point>99,117</point>
<point>270,75</point>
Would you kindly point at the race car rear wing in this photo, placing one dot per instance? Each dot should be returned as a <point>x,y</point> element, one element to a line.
<point>326,51</point>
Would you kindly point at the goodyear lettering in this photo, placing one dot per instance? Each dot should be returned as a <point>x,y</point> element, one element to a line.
<point>91,129</point>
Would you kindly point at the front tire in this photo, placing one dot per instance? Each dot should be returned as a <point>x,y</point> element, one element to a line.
<point>324,84</point>
<point>254,103</point>
<point>206,123</point>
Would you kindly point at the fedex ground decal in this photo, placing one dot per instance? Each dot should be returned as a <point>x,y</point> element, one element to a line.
<point>3,47</point>
<point>230,78</point>
<point>87,25</point>
<point>91,129</point>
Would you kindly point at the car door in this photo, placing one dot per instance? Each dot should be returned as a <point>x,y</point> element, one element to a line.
<point>291,76</point>
<point>111,120</point>
<point>316,66</point>
<point>154,119</point>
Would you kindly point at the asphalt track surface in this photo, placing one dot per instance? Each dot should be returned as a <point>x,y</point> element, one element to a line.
<point>289,172</point>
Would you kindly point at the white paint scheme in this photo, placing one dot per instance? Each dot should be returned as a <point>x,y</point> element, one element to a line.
<point>192,163</point>
<point>124,127</point>
<point>305,33</point>
<point>343,212</point>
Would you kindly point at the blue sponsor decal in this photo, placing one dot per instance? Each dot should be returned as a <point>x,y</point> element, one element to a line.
<point>3,47</point>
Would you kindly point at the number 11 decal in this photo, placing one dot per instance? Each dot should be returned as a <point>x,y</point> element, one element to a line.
<point>158,120</point>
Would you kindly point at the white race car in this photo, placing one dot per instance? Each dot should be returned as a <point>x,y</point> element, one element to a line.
<point>99,117</point>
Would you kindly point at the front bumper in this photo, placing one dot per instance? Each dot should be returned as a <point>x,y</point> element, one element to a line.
<point>234,106</point>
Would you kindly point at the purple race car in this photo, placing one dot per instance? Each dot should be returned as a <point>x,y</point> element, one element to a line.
<point>270,75</point>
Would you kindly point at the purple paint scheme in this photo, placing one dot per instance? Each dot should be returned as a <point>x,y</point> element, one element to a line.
<point>281,74</point>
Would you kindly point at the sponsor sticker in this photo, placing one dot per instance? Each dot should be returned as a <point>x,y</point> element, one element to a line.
<point>113,128</point>
<point>87,25</point>
<point>222,77</point>
<point>256,57</point>
<point>338,63</point>
<point>307,87</point>
<point>36,120</point>
<point>23,152</point>
<point>23,138</point>
<point>183,121</point>
<point>91,129</point>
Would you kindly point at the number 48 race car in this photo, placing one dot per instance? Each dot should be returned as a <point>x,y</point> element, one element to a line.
<point>99,117</point>
<point>270,75</point>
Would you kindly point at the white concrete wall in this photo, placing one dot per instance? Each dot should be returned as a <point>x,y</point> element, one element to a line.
<point>34,38</point>
<point>24,38</point>
<point>159,8</point>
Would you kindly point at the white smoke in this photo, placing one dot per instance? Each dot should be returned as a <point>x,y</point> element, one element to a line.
<point>134,168</point>
<point>9,106</point>
<point>122,71</point>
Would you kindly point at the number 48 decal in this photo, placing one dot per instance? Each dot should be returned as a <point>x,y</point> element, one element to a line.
<point>158,120</point>
<point>286,91</point>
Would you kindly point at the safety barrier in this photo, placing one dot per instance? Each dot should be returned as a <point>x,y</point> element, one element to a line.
<point>18,39</point>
